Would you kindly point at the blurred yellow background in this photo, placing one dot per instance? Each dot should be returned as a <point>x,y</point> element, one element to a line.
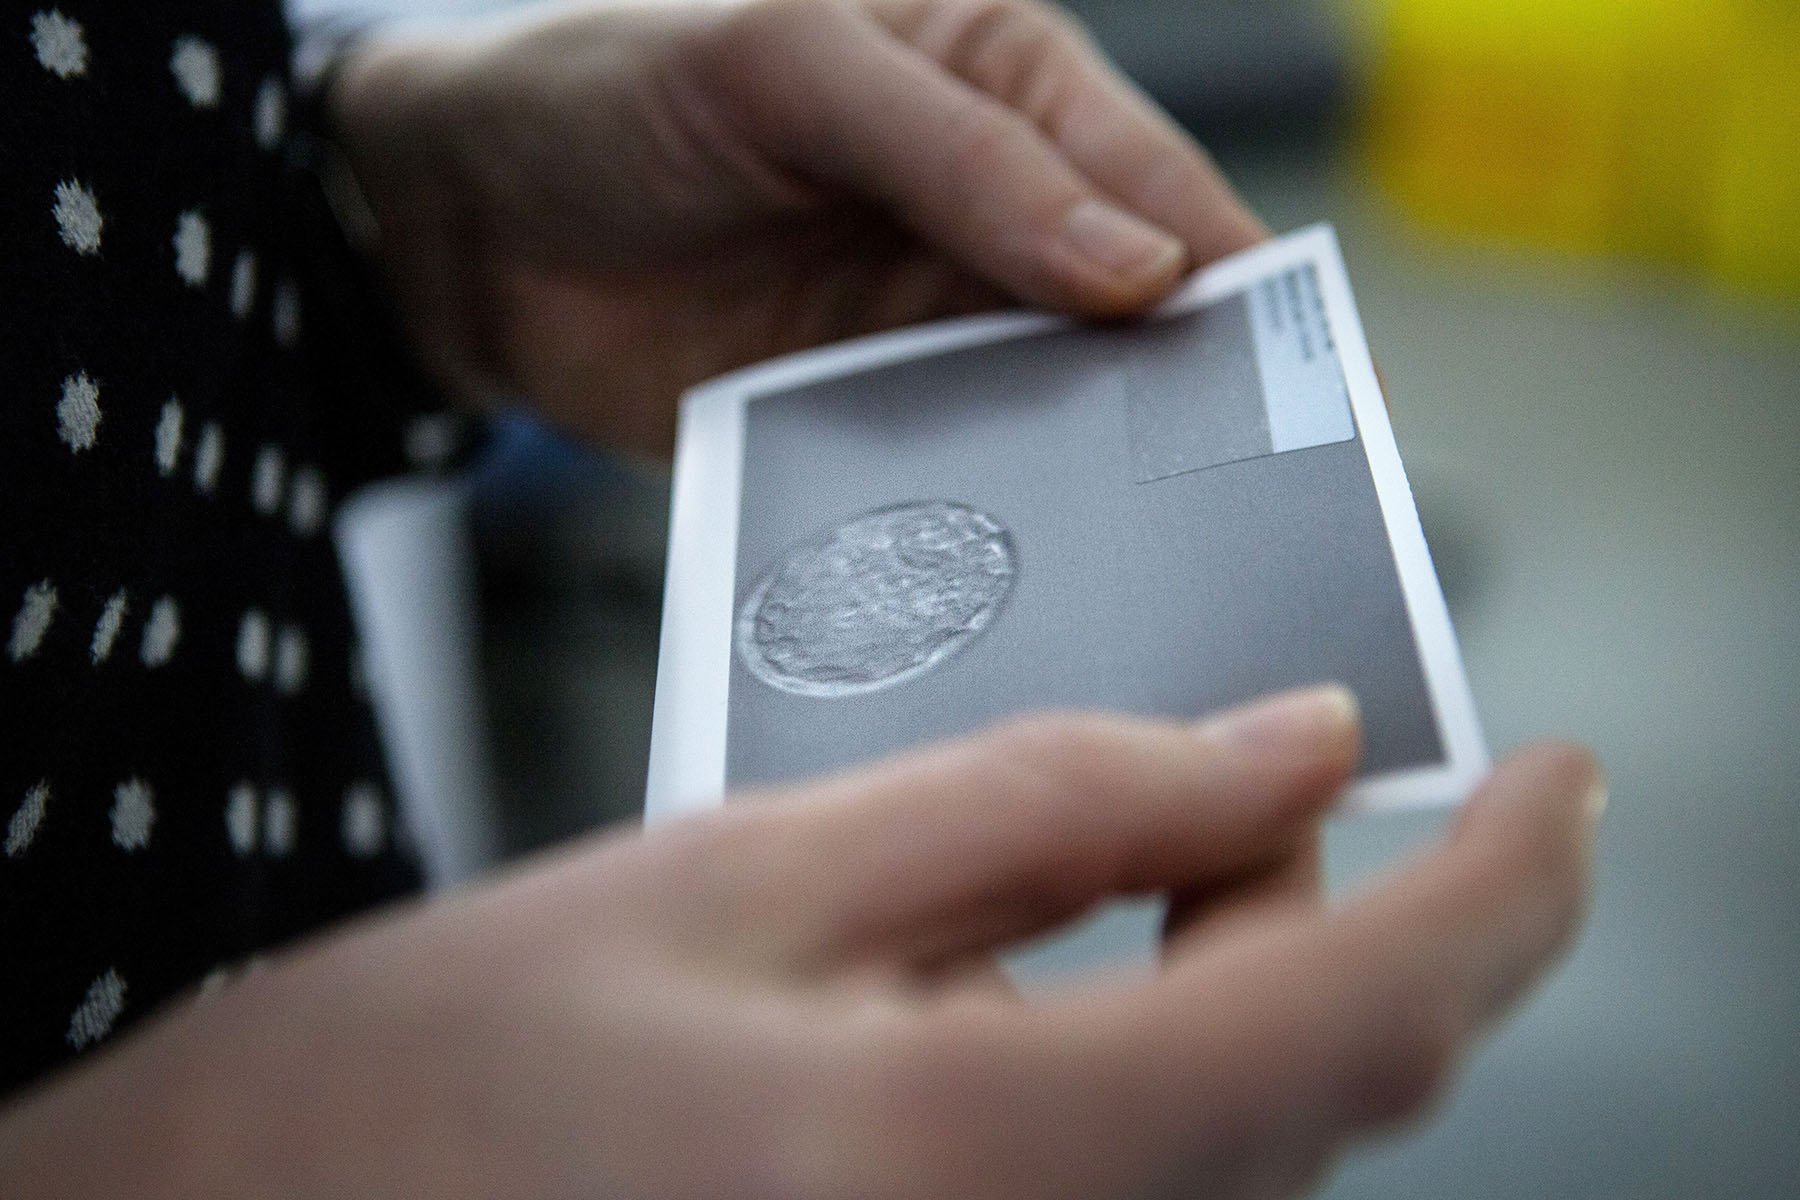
<point>1661,129</point>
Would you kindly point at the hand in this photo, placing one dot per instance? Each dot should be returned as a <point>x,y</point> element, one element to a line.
<point>599,208</point>
<point>795,997</point>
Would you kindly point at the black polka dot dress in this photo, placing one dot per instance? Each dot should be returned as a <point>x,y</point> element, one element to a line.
<point>193,374</point>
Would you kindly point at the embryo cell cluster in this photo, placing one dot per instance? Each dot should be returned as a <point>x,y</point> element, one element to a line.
<point>880,599</point>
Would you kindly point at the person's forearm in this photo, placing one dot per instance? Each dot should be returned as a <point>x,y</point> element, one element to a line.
<point>333,1070</point>
<point>143,1119</point>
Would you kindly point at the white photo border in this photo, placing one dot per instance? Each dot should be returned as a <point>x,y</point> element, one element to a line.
<point>693,678</point>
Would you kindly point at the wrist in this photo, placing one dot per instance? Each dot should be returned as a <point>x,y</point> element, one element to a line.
<point>398,115</point>
<point>378,111</point>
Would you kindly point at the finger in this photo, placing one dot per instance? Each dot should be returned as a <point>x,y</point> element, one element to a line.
<point>979,976</point>
<point>855,107</point>
<point>979,843</point>
<point>1319,1026</point>
<point>1293,879</point>
<point>1034,59</point>
<point>576,333</point>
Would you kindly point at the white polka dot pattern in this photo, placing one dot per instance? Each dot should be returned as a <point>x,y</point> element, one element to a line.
<point>78,219</point>
<point>279,818</point>
<point>363,822</point>
<point>61,48</point>
<point>93,1018</point>
<point>195,65</point>
<point>168,438</point>
<point>241,819</point>
<point>253,645</point>
<point>78,412</point>
<point>193,248</point>
<point>213,984</point>
<point>306,501</point>
<point>284,313</point>
<point>133,812</point>
<point>243,284</point>
<point>106,629</point>
<point>27,818</point>
<point>173,631</point>
<point>266,478</point>
<point>32,621</point>
<point>209,456</point>
<point>161,632</point>
<point>291,654</point>
<point>269,117</point>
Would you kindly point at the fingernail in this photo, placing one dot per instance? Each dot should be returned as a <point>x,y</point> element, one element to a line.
<point>1118,243</point>
<point>1303,716</point>
<point>1596,801</point>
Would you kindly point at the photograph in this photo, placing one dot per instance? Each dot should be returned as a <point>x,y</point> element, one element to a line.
<point>930,535</point>
<point>822,598</point>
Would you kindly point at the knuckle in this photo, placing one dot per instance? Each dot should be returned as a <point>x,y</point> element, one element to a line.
<point>1008,767</point>
<point>984,142</point>
<point>1007,45</point>
<point>1035,23</point>
<point>1056,26</point>
<point>784,11</point>
<point>1068,747</point>
<point>1045,776</point>
<point>773,23</point>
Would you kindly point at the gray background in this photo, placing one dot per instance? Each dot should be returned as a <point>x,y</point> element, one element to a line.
<point>1172,597</point>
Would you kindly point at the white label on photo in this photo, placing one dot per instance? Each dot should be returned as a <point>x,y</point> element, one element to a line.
<point>1302,384</point>
<point>1251,374</point>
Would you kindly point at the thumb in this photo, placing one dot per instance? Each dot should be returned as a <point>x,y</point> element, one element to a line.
<point>855,106</point>
<point>972,845</point>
